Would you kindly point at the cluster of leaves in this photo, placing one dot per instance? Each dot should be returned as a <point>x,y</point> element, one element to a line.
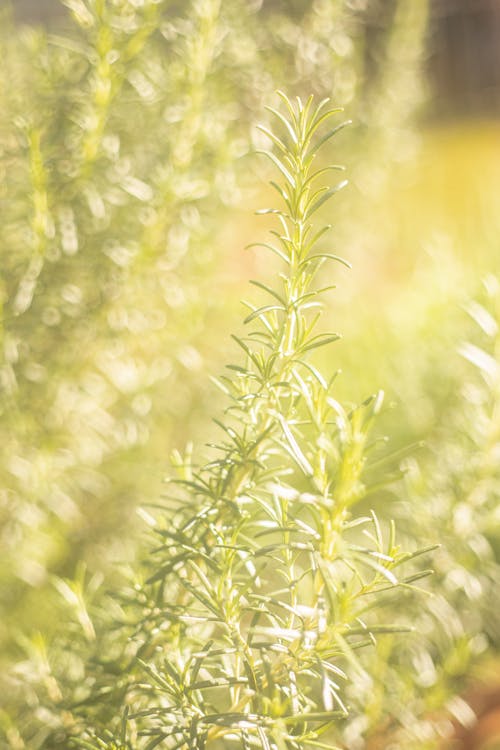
<point>120,142</point>
<point>261,574</point>
<point>420,696</point>
<point>98,311</point>
<point>262,590</point>
<point>461,479</point>
<point>101,296</point>
<point>266,582</point>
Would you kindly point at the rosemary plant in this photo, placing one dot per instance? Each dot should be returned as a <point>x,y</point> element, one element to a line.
<point>460,621</point>
<point>118,150</point>
<point>262,586</point>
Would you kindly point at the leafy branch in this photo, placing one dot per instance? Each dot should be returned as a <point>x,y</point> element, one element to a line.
<point>265,580</point>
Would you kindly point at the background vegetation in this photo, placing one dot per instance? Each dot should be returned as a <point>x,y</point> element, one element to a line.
<point>129,182</point>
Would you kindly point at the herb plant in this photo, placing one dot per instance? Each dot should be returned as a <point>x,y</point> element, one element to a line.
<point>264,584</point>
<point>118,150</point>
<point>459,625</point>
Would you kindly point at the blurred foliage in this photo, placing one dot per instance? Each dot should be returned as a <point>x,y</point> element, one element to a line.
<point>126,192</point>
<point>262,589</point>
<point>450,498</point>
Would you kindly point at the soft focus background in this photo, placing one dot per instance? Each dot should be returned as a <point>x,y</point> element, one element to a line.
<point>129,182</point>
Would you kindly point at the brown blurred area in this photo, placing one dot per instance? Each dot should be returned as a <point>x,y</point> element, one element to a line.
<point>484,732</point>
<point>464,57</point>
<point>36,11</point>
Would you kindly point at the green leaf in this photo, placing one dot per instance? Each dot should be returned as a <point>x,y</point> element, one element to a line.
<point>321,340</point>
<point>327,137</point>
<point>270,247</point>
<point>321,196</point>
<point>278,163</point>
<point>261,311</point>
<point>294,446</point>
<point>274,138</point>
<point>324,256</point>
<point>288,127</point>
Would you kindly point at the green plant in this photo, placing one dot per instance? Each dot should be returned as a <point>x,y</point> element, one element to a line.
<point>117,150</point>
<point>265,581</point>
<point>460,474</point>
<point>100,294</point>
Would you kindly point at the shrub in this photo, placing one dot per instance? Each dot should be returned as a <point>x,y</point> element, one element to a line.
<point>120,142</point>
<point>265,582</point>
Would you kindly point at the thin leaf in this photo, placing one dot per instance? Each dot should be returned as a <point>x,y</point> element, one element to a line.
<point>284,121</point>
<point>261,312</point>
<point>325,256</point>
<point>274,138</point>
<point>321,340</point>
<point>270,291</point>
<point>294,447</point>
<point>316,204</point>
<point>327,137</point>
<point>272,248</point>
